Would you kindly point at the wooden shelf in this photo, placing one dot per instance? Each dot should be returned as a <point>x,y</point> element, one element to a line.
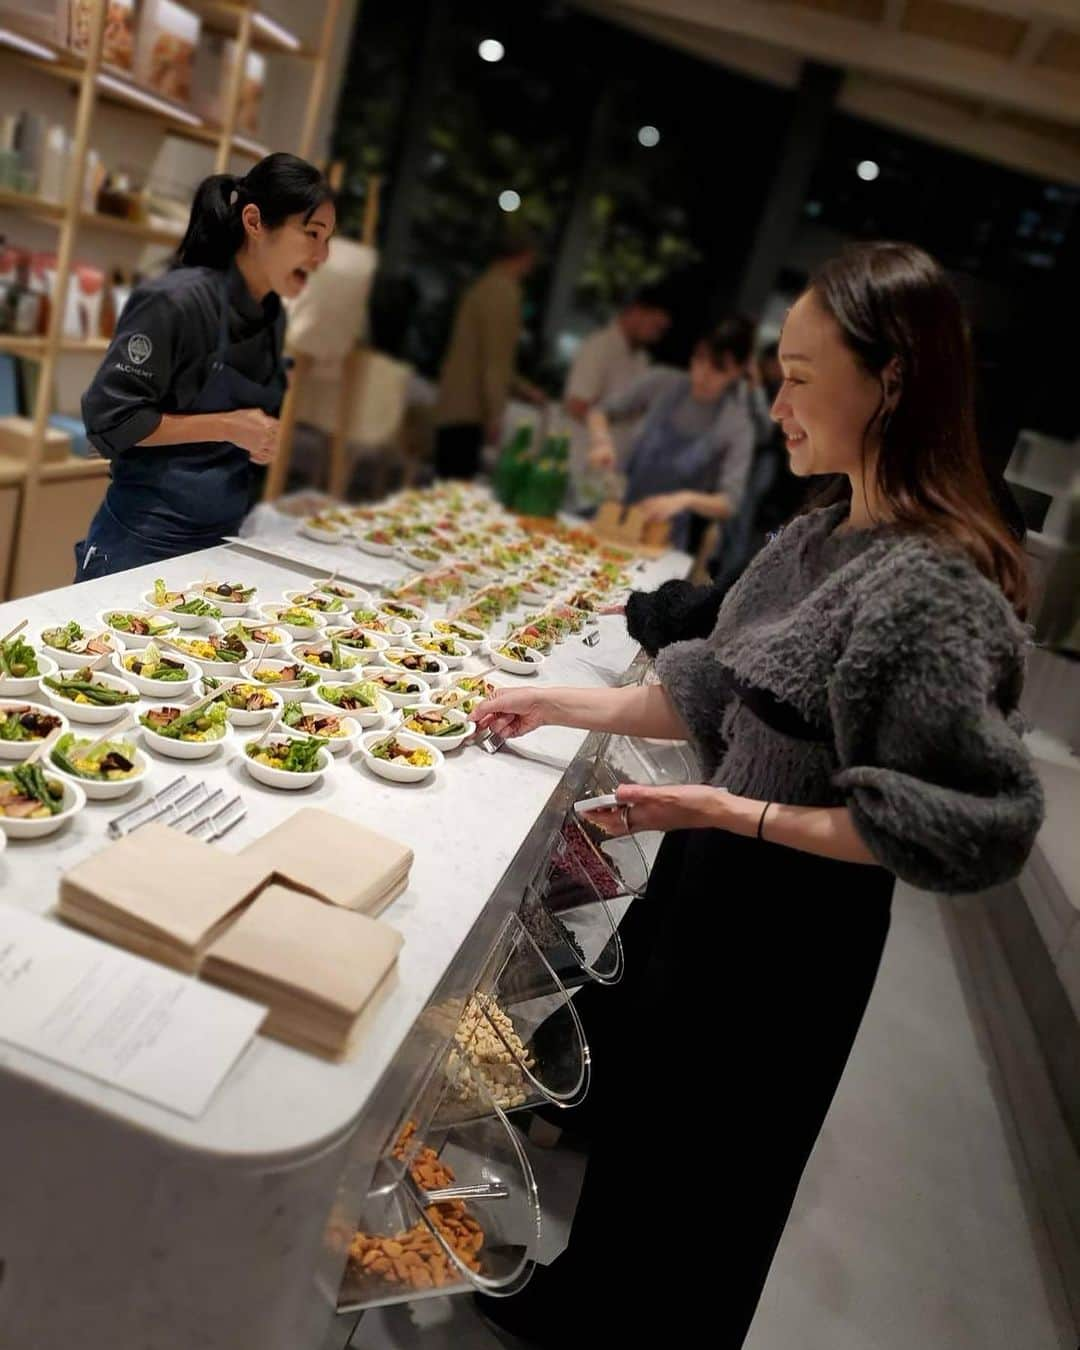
<point>31,206</point>
<point>223,16</point>
<point>33,348</point>
<point>134,229</point>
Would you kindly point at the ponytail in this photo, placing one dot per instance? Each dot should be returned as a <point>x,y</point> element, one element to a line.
<point>280,186</point>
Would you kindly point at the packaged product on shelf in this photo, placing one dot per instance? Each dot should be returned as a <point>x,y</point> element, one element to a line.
<point>46,20</point>
<point>165,51</point>
<point>30,132</point>
<point>54,164</point>
<point>85,299</point>
<point>118,41</point>
<point>213,67</point>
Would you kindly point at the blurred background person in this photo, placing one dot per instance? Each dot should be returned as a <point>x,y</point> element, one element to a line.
<point>691,456</point>
<point>478,372</point>
<point>607,363</point>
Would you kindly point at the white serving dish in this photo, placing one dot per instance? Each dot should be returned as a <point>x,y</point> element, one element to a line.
<point>443,743</point>
<point>368,546</point>
<point>281,778</point>
<point>73,801</point>
<point>453,661</point>
<point>507,663</point>
<point>247,670</point>
<point>172,748</point>
<point>20,750</point>
<point>76,660</point>
<point>399,700</point>
<point>242,717</point>
<point>357,595</point>
<point>160,689</point>
<point>23,687</point>
<point>322,536</point>
<point>329,615</point>
<point>411,559</point>
<point>91,712</point>
<point>135,640</point>
<point>106,792</point>
<point>323,671</point>
<point>364,717</point>
<point>184,621</point>
<point>298,632</point>
<point>272,648</point>
<point>416,618</point>
<point>475,642</point>
<point>224,670</point>
<point>400,773</point>
<point>337,745</point>
<point>433,678</point>
<point>230,609</point>
<point>378,642</point>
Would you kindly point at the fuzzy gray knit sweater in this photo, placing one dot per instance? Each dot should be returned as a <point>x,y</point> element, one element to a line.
<point>900,667</point>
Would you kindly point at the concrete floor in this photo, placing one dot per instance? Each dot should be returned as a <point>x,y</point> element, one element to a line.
<point>917,1225</point>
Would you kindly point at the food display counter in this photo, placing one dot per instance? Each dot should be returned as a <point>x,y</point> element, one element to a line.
<point>123,1224</point>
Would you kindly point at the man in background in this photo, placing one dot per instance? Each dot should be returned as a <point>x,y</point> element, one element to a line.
<point>478,369</point>
<point>606,364</point>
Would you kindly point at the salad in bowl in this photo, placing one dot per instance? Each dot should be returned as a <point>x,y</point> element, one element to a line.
<point>289,762</point>
<point>72,646</point>
<point>179,734</point>
<point>21,668</point>
<point>105,771</point>
<point>189,610</point>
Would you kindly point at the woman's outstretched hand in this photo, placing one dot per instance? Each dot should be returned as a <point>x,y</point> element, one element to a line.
<point>514,712</point>
<point>692,807</point>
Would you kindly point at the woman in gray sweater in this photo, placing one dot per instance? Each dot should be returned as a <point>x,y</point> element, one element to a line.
<point>854,712</point>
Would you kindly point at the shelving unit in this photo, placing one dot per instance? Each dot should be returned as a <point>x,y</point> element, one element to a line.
<point>96,84</point>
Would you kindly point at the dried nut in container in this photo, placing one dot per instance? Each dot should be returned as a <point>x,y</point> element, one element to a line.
<point>480,1055</point>
<point>414,1257</point>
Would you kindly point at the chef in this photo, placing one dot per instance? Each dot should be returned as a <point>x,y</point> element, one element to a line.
<point>186,402</point>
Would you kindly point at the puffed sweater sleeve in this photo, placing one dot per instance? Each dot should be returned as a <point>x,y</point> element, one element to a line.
<point>924,709</point>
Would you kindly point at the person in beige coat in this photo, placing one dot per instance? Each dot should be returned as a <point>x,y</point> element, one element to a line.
<point>478,370</point>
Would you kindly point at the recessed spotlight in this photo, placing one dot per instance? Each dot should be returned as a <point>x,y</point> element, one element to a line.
<point>509,200</point>
<point>648,137</point>
<point>868,170</point>
<point>491,49</point>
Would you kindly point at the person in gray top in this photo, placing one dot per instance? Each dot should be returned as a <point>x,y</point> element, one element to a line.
<point>693,451</point>
<point>854,713</point>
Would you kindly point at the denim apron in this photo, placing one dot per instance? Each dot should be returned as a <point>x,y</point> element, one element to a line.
<point>665,459</point>
<point>169,500</point>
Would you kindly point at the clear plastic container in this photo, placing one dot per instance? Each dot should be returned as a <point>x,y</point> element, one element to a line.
<point>572,923</point>
<point>519,1042</point>
<point>453,1207</point>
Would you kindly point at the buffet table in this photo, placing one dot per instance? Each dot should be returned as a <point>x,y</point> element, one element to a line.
<point>124,1225</point>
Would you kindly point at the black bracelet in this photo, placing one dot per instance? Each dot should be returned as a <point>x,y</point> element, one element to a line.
<point>761,822</point>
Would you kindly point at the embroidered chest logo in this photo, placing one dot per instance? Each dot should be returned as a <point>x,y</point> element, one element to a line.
<point>139,348</point>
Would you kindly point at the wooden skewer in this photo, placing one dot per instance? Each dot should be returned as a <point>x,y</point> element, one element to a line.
<point>126,721</point>
<point>47,744</point>
<point>17,629</point>
<point>223,688</point>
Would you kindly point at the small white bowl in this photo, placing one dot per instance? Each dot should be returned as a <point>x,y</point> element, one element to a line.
<point>92,712</point>
<point>338,745</point>
<point>230,609</point>
<point>434,678</point>
<point>298,632</point>
<point>452,661</point>
<point>444,743</point>
<point>370,546</point>
<point>74,800</point>
<point>272,648</point>
<point>76,660</point>
<point>222,669</point>
<point>321,536</point>
<point>528,596</point>
<point>374,642</point>
<point>305,653</point>
<point>106,792</point>
<point>247,670</point>
<point>25,685</point>
<point>356,594</point>
<point>185,621</point>
<point>282,778</point>
<point>507,663</point>
<point>172,748</point>
<point>244,717</point>
<point>475,642</point>
<point>161,689</point>
<point>395,627</point>
<point>18,750</point>
<point>136,640</point>
<point>398,700</point>
<point>411,559</point>
<point>391,769</point>
<point>364,717</point>
<point>329,615</point>
<point>415,617</point>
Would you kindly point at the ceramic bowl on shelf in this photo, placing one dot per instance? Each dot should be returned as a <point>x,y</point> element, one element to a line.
<point>93,712</point>
<point>398,769</point>
<point>72,801</point>
<point>22,686</point>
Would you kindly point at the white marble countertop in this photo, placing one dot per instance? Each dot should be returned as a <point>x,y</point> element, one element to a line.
<point>465,827</point>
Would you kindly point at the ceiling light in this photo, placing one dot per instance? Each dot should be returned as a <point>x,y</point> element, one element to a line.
<point>868,170</point>
<point>648,137</point>
<point>491,49</point>
<point>509,200</point>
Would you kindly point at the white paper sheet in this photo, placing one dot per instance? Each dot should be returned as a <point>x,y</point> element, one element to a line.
<point>116,1017</point>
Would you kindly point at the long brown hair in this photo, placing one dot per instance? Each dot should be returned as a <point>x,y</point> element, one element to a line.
<point>894,301</point>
